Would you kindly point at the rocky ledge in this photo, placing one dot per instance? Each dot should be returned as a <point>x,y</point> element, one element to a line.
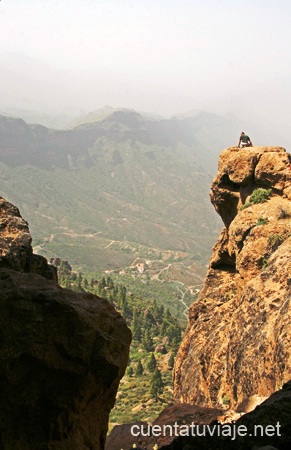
<point>236,347</point>
<point>62,354</point>
<point>15,244</point>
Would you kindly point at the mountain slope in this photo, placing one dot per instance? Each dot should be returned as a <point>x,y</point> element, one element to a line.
<point>125,178</point>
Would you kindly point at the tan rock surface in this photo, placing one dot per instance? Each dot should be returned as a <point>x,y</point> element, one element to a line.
<point>237,343</point>
<point>15,244</point>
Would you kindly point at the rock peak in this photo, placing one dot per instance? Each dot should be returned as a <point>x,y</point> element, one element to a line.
<point>241,171</point>
<point>237,342</point>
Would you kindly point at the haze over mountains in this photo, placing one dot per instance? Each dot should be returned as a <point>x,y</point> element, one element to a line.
<point>95,192</point>
<point>113,175</point>
<point>40,93</point>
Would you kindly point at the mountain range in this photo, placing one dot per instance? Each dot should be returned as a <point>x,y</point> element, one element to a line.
<point>115,184</point>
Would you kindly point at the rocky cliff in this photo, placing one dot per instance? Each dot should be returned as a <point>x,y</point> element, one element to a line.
<point>62,354</point>
<point>15,244</point>
<point>237,344</point>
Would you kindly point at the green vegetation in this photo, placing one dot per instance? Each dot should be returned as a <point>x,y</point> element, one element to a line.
<point>152,363</point>
<point>98,194</point>
<point>156,385</point>
<point>147,385</point>
<point>139,369</point>
<point>165,293</point>
<point>260,195</point>
<point>246,205</point>
<point>262,221</point>
<point>171,361</point>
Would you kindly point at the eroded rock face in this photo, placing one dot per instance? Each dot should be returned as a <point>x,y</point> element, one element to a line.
<point>62,354</point>
<point>237,343</point>
<point>242,171</point>
<point>15,244</point>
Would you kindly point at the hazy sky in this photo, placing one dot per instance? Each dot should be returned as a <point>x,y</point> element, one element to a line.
<point>163,56</point>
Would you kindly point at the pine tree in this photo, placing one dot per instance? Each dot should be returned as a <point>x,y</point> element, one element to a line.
<point>171,332</point>
<point>167,314</point>
<point>109,283</point>
<point>162,310</point>
<point>152,364</point>
<point>147,341</point>
<point>156,385</point>
<point>139,369</point>
<point>121,296</point>
<point>125,310</point>
<point>155,309</point>
<point>136,326</point>
<point>78,284</point>
<point>163,329</point>
<point>110,299</point>
<point>100,290</point>
<point>175,344</point>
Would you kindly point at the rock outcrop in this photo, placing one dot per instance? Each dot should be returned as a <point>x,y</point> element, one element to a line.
<point>15,244</point>
<point>265,428</point>
<point>174,416</point>
<point>62,354</point>
<point>237,342</point>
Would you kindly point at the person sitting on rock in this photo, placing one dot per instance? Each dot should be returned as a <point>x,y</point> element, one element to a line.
<point>244,141</point>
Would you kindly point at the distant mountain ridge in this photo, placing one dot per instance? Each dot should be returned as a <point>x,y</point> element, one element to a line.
<point>105,186</point>
<point>48,147</point>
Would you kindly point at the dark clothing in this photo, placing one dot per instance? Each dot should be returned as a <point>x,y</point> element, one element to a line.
<point>244,138</point>
<point>244,141</point>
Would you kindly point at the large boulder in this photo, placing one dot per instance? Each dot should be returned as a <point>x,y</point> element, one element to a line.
<point>62,354</point>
